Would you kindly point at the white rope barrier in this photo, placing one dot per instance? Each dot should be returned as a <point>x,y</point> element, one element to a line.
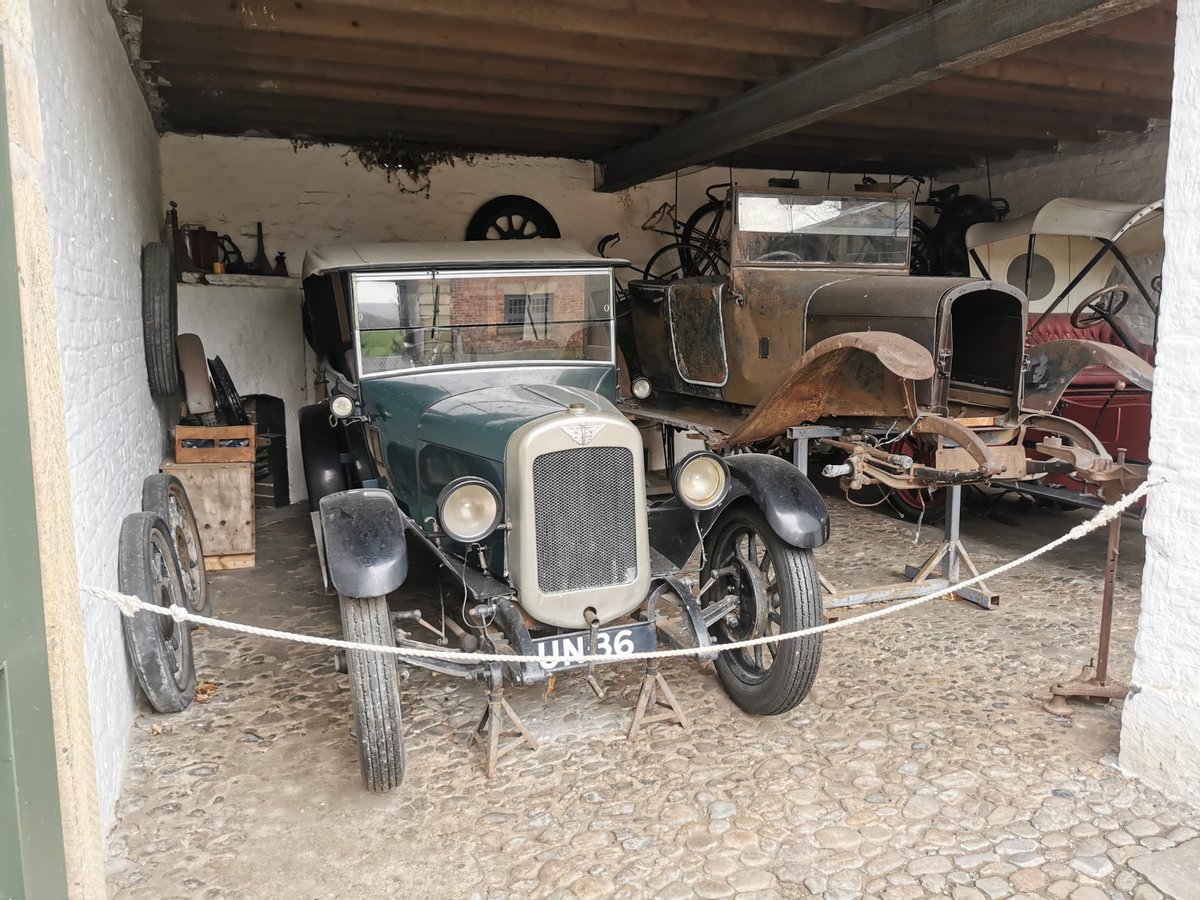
<point>130,605</point>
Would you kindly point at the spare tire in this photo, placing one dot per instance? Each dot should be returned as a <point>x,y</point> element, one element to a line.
<point>160,319</point>
<point>511,217</point>
<point>159,647</point>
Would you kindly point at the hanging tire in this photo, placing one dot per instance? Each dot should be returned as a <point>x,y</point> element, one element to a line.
<point>160,320</point>
<point>165,495</point>
<point>159,647</point>
<point>509,218</point>
<point>374,692</point>
<point>321,451</point>
<point>778,592</point>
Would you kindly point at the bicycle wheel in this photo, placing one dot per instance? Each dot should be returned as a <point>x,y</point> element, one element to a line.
<point>707,230</point>
<point>923,260</point>
<point>679,260</point>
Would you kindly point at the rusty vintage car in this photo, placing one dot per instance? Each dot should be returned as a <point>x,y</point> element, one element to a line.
<point>923,382</point>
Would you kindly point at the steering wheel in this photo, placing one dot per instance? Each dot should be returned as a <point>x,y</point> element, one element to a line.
<point>1095,309</point>
<point>780,256</point>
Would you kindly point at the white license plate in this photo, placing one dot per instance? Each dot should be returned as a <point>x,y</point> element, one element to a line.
<point>617,640</point>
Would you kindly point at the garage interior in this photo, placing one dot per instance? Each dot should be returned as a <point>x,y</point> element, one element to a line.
<point>922,763</point>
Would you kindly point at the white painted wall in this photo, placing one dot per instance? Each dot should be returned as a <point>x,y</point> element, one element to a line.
<point>1160,735</point>
<point>258,334</point>
<point>101,183</point>
<point>322,194</point>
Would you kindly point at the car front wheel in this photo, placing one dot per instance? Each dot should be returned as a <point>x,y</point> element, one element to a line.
<point>773,589</point>
<point>374,691</point>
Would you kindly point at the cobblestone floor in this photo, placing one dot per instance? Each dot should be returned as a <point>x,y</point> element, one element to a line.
<point>921,764</point>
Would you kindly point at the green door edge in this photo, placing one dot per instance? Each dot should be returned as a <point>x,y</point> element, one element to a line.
<point>32,859</point>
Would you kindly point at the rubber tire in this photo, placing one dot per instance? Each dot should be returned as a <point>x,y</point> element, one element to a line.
<point>923,257</point>
<point>508,205</point>
<point>718,250</point>
<point>160,493</point>
<point>321,451</point>
<point>160,320</point>
<point>687,261</point>
<point>225,393</point>
<point>795,665</point>
<point>374,692</point>
<point>168,679</point>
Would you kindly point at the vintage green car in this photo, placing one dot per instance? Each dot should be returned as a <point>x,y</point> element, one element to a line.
<point>471,412</point>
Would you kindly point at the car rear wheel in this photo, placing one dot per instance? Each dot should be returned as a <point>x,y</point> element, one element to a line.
<point>374,692</point>
<point>776,589</point>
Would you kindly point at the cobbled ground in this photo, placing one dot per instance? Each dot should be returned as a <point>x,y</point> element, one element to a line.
<point>921,764</point>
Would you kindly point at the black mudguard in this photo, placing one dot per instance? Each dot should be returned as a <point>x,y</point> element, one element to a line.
<point>363,531</point>
<point>786,498</point>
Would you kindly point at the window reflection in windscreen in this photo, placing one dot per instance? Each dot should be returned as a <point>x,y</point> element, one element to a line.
<point>833,231</point>
<point>415,322</point>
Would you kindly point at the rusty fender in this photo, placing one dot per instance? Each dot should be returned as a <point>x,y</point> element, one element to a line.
<point>1054,365</point>
<point>860,373</point>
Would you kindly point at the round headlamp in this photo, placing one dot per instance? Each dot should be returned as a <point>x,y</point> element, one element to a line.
<point>640,387</point>
<point>341,406</point>
<point>468,509</point>
<point>701,481</point>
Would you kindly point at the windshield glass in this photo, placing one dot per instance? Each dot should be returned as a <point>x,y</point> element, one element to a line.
<point>408,321</point>
<point>796,229</point>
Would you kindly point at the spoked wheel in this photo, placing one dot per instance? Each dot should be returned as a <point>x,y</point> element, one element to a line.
<point>776,589</point>
<point>228,400</point>
<point>926,505</point>
<point>708,229</point>
<point>374,692</point>
<point>679,260</point>
<point>159,647</point>
<point>164,494</point>
<point>511,218</point>
<point>924,257</point>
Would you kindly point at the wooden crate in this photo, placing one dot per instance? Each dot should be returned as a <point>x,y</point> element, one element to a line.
<point>222,497</point>
<point>217,441</point>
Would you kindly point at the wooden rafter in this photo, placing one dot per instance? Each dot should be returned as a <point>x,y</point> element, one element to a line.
<point>951,36</point>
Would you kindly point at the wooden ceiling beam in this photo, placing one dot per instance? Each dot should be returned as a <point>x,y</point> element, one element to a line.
<point>319,19</point>
<point>766,26</point>
<point>378,120</point>
<point>232,46</point>
<point>1021,69</point>
<point>817,161</point>
<point>1043,98</point>
<point>1104,54</point>
<point>293,90</point>
<point>951,112</point>
<point>1154,27</point>
<point>951,36</point>
<point>187,67</point>
<point>876,135</point>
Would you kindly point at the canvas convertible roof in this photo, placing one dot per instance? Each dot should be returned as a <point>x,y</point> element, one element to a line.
<point>444,254</point>
<point>1136,228</point>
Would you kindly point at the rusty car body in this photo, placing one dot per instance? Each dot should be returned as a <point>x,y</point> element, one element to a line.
<point>819,322</point>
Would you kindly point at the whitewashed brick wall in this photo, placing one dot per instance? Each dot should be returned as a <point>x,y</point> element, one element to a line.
<point>101,183</point>
<point>1160,735</point>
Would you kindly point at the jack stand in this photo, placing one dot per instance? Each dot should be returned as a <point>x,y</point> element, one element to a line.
<point>653,682</point>
<point>497,707</point>
<point>1092,682</point>
<point>594,622</point>
<point>950,554</point>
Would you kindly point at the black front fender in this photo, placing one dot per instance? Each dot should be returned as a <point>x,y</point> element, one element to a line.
<point>363,531</point>
<point>786,498</point>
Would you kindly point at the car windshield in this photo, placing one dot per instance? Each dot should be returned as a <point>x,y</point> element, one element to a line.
<point>417,320</point>
<point>795,229</point>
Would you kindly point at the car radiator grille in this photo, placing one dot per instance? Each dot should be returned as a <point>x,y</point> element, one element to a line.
<point>585,514</point>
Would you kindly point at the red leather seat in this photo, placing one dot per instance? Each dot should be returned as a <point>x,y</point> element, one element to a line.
<point>1058,327</point>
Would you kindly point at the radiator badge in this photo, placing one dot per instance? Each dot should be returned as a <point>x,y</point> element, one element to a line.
<point>582,434</point>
